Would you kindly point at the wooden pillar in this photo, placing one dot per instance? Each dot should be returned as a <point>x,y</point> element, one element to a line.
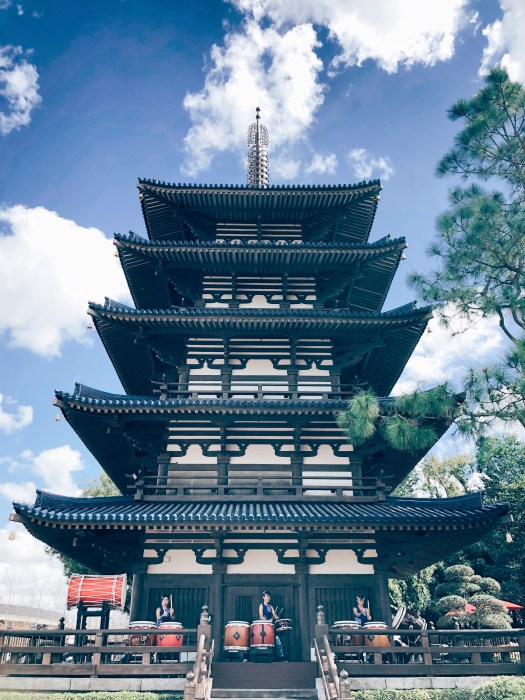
<point>305,632</point>
<point>138,604</point>
<point>184,380</point>
<point>383,596</point>
<point>217,606</point>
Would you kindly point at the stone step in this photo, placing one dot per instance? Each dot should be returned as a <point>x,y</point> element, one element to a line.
<point>293,676</point>
<point>273,694</point>
<point>295,693</point>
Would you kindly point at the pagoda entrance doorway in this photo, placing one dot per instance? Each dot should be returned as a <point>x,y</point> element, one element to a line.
<point>242,603</point>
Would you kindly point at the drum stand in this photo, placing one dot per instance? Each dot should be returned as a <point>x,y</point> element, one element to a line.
<point>262,656</point>
<point>82,615</point>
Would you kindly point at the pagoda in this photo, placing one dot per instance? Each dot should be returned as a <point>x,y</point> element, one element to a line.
<point>258,314</point>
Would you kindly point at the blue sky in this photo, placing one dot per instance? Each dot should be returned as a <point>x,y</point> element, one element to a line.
<point>94,95</point>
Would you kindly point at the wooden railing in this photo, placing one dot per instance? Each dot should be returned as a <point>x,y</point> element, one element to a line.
<point>426,652</point>
<point>198,681</point>
<point>266,390</point>
<point>95,653</point>
<point>327,668</point>
<point>236,488</point>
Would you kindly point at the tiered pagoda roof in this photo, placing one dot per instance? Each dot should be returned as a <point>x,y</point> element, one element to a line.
<point>129,432</point>
<point>144,343</point>
<point>403,526</point>
<point>339,213</point>
<point>318,235</point>
<point>353,275</point>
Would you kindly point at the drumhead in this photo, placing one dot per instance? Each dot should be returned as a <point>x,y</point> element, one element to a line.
<point>262,622</point>
<point>375,624</point>
<point>238,622</point>
<point>171,625</point>
<point>346,623</point>
<point>142,623</point>
<point>400,614</point>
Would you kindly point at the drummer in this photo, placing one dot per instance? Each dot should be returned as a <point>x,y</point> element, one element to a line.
<point>267,612</point>
<point>164,612</point>
<point>361,612</point>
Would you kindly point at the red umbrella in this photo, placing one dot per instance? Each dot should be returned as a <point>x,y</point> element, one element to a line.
<point>511,606</point>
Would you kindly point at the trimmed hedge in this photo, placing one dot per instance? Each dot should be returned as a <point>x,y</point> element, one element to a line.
<point>100,695</point>
<point>502,688</point>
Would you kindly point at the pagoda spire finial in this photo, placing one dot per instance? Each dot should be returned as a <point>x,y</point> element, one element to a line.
<point>258,167</point>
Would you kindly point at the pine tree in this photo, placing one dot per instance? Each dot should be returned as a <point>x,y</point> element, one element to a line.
<point>480,242</point>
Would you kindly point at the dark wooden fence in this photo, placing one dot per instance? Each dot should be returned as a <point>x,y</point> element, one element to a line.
<point>95,653</point>
<point>429,652</point>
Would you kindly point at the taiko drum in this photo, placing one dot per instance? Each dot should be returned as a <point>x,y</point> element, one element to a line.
<point>170,637</point>
<point>375,636</point>
<point>237,636</point>
<point>262,634</point>
<point>93,591</point>
<point>142,638</point>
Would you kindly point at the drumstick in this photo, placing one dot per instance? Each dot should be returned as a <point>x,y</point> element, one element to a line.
<point>171,602</point>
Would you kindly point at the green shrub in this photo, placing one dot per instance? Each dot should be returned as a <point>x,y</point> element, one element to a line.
<point>423,694</point>
<point>102,695</point>
<point>459,572</point>
<point>490,586</point>
<point>502,688</point>
<point>448,603</point>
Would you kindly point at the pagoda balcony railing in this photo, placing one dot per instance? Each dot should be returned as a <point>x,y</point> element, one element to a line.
<point>97,652</point>
<point>249,488</point>
<point>262,390</point>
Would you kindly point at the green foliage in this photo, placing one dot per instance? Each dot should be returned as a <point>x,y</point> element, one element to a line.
<point>488,603</point>
<point>420,694</point>
<point>502,688</point>
<point>100,486</point>
<point>459,572</point>
<point>404,423</point>
<point>448,603</point>
<point>490,585</point>
<point>95,695</point>
<point>414,592</point>
<point>436,477</point>
<point>457,590</point>
<point>360,417</point>
<point>480,243</point>
<point>501,461</point>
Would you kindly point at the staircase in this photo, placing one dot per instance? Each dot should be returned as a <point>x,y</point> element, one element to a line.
<point>276,694</point>
<point>258,681</point>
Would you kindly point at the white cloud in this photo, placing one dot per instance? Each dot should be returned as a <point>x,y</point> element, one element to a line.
<point>50,470</point>
<point>324,165</point>
<point>446,353</point>
<point>18,89</point>
<point>22,492</point>
<point>258,66</point>
<point>390,32</point>
<point>10,421</point>
<point>272,62</point>
<point>366,166</point>
<point>505,41</point>
<point>51,267</point>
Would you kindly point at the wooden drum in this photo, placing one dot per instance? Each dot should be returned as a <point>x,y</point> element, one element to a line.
<point>142,638</point>
<point>344,632</point>
<point>375,636</point>
<point>262,634</point>
<point>170,637</point>
<point>283,625</point>
<point>93,591</point>
<point>237,636</point>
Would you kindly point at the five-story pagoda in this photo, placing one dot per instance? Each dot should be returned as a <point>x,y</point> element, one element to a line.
<point>258,313</point>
